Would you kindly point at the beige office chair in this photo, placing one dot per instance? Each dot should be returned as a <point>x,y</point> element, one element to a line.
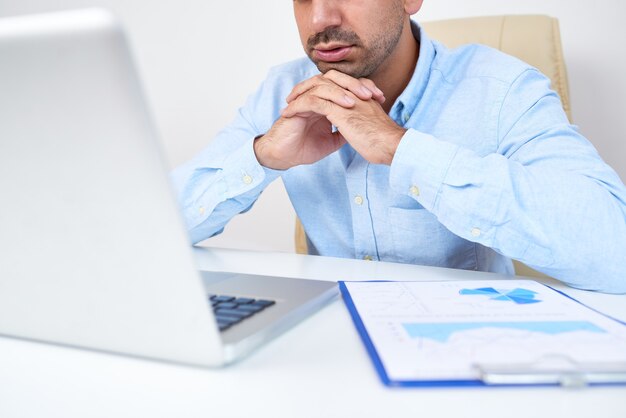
<point>532,38</point>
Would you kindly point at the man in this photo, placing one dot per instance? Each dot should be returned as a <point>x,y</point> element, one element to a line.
<point>392,147</point>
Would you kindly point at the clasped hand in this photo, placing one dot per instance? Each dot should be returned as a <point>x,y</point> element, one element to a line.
<point>303,134</point>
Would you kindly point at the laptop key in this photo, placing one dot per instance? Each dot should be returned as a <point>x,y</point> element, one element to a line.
<point>264,303</point>
<point>257,304</point>
<point>225,322</point>
<point>228,319</point>
<point>242,301</point>
<point>233,312</point>
<point>222,298</point>
<point>254,308</point>
<point>227,305</point>
<point>230,310</point>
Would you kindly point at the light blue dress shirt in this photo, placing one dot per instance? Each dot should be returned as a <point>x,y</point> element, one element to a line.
<point>490,169</point>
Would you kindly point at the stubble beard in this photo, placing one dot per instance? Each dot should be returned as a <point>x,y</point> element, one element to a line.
<point>374,55</point>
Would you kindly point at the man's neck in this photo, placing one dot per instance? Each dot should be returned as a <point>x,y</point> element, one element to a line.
<point>395,73</point>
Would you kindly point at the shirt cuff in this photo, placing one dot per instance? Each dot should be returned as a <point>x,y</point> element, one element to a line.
<point>419,167</point>
<point>242,172</point>
<point>239,176</point>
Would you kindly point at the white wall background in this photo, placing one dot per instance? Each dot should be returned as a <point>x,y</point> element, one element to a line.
<point>200,59</point>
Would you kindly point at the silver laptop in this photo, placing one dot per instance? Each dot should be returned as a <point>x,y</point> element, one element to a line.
<point>93,252</point>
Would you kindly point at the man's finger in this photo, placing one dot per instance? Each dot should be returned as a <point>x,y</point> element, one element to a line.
<point>363,88</point>
<point>309,104</point>
<point>377,94</point>
<point>304,86</point>
<point>332,93</point>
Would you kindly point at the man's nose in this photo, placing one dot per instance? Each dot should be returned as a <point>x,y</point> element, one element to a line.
<point>325,14</point>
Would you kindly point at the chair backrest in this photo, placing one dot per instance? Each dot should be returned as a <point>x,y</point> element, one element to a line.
<point>534,39</point>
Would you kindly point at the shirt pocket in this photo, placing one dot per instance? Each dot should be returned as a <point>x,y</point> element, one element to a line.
<point>419,238</point>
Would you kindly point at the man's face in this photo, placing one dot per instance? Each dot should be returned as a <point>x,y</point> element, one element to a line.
<point>352,36</point>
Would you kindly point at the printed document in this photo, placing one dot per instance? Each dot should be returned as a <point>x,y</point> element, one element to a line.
<point>445,330</point>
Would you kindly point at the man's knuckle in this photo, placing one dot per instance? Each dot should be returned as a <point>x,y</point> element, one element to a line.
<point>322,106</point>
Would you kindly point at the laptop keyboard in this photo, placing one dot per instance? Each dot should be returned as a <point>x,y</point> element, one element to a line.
<point>231,310</point>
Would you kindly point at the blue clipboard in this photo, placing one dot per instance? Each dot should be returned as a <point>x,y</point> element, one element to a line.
<point>497,375</point>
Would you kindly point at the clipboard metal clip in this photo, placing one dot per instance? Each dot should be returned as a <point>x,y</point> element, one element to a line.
<point>554,369</point>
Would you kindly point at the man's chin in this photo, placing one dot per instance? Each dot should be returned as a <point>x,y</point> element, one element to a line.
<point>341,66</point>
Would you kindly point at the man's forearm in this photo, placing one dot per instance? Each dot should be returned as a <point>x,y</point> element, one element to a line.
<point>562,223</point>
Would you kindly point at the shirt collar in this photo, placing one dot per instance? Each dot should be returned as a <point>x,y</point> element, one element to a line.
<point>406,103</point>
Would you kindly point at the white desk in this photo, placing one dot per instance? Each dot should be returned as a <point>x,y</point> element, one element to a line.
<point>318,369</point>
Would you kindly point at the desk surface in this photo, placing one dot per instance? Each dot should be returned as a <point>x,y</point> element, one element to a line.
<point>317,369</point>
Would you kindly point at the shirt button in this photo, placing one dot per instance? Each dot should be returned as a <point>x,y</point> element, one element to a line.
<point>414,190</point>
<point>475,232</point>
<point>201,210</point>
<point>247,179</point>
<point>406,117</point>
<point>358,200</point>
<point>368,258</point>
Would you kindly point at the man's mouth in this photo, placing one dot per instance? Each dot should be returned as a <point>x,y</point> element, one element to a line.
<point>331,52</point>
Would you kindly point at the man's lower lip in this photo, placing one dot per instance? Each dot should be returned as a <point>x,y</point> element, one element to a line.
<point>333,55</point>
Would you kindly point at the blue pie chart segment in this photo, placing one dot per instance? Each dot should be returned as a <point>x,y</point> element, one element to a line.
<point>518,295</point>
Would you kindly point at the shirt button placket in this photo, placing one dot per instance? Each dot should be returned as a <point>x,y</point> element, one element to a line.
<point>364,240</point>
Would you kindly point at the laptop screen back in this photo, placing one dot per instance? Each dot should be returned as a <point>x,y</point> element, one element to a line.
<point>92,248</point>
